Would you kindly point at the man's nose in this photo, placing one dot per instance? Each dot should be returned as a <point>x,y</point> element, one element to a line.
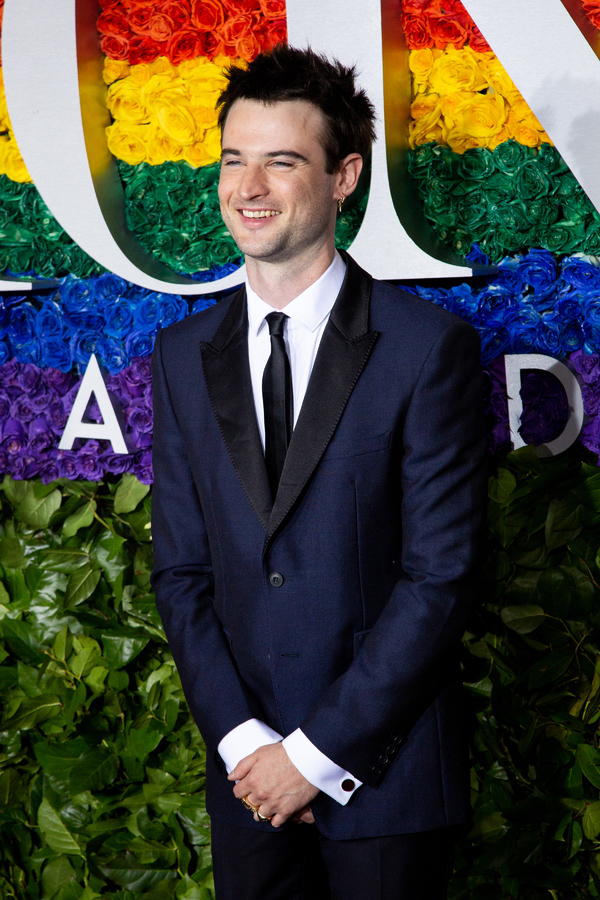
<point>253,182</point>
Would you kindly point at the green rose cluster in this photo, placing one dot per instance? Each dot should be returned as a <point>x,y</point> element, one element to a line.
<point>506,200</point>
<point>32,241</point>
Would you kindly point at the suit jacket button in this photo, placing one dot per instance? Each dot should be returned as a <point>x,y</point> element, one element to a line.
<point>348,785</point>
<point>391,749</point>
<point>275,579</point>
<point>398,740</point>
<point>376,770</point>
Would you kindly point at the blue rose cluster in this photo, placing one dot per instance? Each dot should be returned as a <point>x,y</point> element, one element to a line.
<point>532,305</point>
<point>105,315</point>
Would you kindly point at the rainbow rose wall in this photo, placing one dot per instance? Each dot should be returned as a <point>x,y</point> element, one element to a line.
<point>101,765</point>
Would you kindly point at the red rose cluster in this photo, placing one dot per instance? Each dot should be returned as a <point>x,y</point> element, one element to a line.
<point>139,31</point>
<point>440,23</point>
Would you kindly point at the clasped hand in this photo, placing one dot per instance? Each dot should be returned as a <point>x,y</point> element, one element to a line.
<point>269,779</point>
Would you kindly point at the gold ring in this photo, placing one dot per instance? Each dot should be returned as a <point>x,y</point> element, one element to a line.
<point>263,818</point>
<point>249,806</point>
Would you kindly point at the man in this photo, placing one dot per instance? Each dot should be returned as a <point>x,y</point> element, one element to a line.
<point>317,592</point>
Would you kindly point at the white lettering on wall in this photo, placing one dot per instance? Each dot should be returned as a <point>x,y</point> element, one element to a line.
<point>92,384</point>
<point>514,365</point>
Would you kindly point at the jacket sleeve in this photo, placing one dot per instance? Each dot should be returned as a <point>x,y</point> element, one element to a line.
<point>183,579</point>
<point>365,715</point>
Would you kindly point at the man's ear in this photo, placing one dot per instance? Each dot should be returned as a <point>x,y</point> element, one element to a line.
<point>348,174</point>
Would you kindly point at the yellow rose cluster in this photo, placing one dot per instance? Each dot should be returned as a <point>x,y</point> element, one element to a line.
<point>11,161</point>
<point>165,113</point>
<point>463,99</point>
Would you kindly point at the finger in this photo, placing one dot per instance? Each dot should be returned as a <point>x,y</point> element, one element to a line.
<point>307,817</point>
<point>278,820</point>
<point>242,769</point>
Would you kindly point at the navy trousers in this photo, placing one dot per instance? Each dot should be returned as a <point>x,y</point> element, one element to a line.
<point>298,863</point>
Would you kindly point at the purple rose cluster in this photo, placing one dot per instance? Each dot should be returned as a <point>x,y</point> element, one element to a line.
<point>105,315</point>
<point>34,407</point>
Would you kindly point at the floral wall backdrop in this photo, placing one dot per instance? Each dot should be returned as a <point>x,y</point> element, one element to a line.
<point>101,767</point>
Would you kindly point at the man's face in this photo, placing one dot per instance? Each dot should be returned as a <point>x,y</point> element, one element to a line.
<point>277,201</point>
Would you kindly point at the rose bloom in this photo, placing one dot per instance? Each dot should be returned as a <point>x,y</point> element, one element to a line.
<point>423,105</point>
<point>11,162</point>
<point>114,69</point>
<point>477,41</point>
<point>178,10</point>
<point>237,27</point>
<point>185,44</point>
<point>421,61</point>
<point>115,47</point>
<point>162,148</point>
<point>241,6</point>
<point>456,70</point>
<point>161,88</point>
<point>523,132</point>
<point>125,102</point>
<point>141,74</point>
<point>142,50</point>
<point>497,77</point>
<point>163,66</point>
<point>416,33</point>
<point>128,142</point>
<point>273,9</point>
<point>114,22</point>
<point>160,27</point>
<point>213,44</point>
<point>176,120</point>
<point>445,31</point>
<point>139,19</point>
<point>274,32</point>
<point>206,151</point>
<point>592,11</point>
<point>482,116</point>
<point>414,7</point>
<point>248,47</point>
<point>426,130</point>
<point>207,15</point>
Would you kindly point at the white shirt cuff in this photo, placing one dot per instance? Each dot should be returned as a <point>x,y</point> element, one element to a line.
<point>317,768</point>
<point>243,740</point>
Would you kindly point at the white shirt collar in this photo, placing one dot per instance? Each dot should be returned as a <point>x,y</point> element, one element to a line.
<point>310,307</point>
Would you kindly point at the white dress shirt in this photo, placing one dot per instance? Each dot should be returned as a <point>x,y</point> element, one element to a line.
<point>308,315</point>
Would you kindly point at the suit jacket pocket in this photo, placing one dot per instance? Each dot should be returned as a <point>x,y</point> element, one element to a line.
<point>368,443</point>
<point>359,639</point>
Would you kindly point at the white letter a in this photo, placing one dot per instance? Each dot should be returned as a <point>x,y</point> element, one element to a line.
<point>109,429</point>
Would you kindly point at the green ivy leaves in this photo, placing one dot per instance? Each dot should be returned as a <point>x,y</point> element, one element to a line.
<point>101,766</point>
<point>532,667</point>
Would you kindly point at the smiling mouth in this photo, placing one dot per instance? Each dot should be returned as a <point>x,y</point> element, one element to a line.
<point>259,213</point>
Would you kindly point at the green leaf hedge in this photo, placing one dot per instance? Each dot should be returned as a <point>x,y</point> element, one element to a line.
<point>102,768</point>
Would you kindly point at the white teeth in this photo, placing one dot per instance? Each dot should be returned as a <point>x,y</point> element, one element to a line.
<point>259,213</point>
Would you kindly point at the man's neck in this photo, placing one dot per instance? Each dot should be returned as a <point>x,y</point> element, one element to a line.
<point>280,283</point>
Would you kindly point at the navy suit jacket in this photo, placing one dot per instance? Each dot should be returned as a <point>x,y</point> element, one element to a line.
<point>375,529</point>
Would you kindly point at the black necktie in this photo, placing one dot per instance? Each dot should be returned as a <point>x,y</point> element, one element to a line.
<point>278,401</point>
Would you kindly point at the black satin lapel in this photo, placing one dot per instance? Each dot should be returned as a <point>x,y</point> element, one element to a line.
<point>343,352</point>
<point>227,375</point>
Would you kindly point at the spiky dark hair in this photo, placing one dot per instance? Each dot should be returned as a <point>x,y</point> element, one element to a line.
<point>292,74</point>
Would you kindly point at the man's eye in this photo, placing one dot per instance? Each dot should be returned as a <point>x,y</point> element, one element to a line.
<point>230,162</point>
<point>282,164</point>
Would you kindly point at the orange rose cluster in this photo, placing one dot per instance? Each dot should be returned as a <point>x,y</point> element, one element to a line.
<point>440,24</point>
<point>139,31</point>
